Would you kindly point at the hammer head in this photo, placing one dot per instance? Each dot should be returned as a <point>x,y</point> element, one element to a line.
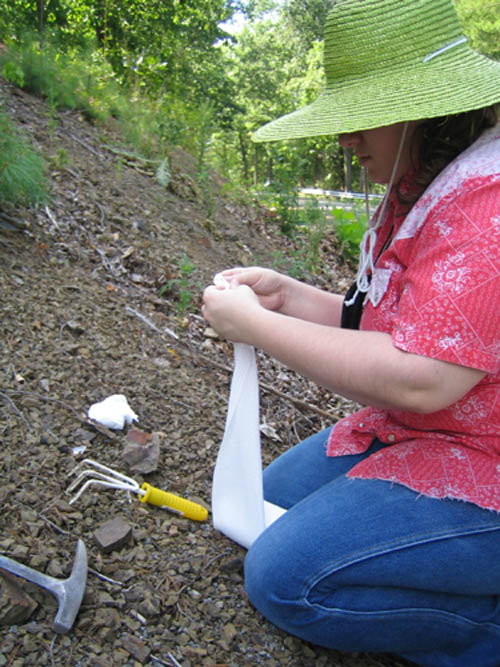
<point>69,592</point>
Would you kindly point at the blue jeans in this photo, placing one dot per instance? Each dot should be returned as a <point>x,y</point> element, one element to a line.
<point>367,565</point>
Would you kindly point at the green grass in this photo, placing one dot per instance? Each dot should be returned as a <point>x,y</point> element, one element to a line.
<point>22,170</point>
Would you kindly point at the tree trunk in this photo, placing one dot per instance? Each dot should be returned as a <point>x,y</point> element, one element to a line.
<point>244,155</point>
<point>270,169</point>
<point>99,23</point>
<point>255,165</point>
<point>40,10</point>
<point>347,169</point>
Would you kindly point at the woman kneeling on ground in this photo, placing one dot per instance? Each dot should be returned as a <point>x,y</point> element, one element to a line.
<point>391,541</point>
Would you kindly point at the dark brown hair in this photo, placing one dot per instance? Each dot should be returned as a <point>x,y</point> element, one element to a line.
<point>437,141</point>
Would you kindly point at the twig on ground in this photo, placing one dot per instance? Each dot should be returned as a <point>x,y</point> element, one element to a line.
<point>53,525</point>
<point>105,261</point>
<point>153,326</point>
<point>84,144</point>
<point>48,399</point>
<point>51,217</point>
<point>267,387</point>
<point>103,577</point>
<point>16,410</point>
<point>173,662</point>
<point>50,650</point>
<point>88,422</point>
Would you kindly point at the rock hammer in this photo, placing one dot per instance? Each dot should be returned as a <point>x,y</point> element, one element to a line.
<point>68,592</point>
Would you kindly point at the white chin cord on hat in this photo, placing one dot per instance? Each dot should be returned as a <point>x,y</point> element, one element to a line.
<point>366,262</point>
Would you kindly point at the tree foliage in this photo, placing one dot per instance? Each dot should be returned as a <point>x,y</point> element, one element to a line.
<point>155,44</point>
<point>206,87</point>
<point>481,20</point>
<point>307,18</point>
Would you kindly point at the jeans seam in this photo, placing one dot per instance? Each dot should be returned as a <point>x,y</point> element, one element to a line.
<point>384,548</point>
<point>408,610</point>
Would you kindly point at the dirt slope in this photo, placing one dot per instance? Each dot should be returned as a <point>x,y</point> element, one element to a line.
<point>81,318</point>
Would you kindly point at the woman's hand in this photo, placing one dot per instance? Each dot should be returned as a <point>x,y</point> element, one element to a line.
<point>283,294</point>
<point>364,366</point>
<point>277,293</point>
<point>269,286</point>
<point>230,311</point>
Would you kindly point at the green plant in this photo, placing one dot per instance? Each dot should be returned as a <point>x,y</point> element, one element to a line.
<point>13,72</point>
<point>283,202</point>
<point>60,159</point>
<point>22,170</point>
<point>350,227</point>
<point>163,173</point>
<point>313,234</point>
<point>63,79</point>
<point>180,286</point>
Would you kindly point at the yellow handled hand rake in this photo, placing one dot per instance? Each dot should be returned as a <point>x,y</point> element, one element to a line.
<point>101,475</point>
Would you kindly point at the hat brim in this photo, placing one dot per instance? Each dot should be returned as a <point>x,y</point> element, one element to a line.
<point>450,85</point>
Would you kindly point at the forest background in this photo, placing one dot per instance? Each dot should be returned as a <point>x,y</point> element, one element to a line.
<point>200,74</point>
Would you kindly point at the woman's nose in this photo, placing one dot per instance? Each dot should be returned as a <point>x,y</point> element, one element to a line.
<point>349,139</point>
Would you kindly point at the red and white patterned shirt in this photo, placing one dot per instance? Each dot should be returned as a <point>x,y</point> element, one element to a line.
<point>436,291</point>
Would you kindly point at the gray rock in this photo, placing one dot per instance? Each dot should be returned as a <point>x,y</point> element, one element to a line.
<point>113,534</point>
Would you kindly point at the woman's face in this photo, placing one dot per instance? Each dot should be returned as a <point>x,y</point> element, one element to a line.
<point>377,150</point>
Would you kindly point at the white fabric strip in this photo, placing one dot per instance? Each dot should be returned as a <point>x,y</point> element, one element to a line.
<point>238,507</point>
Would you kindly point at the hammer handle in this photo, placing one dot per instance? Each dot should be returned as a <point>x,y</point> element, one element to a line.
<point>160,498</point>
<point>14,567</point>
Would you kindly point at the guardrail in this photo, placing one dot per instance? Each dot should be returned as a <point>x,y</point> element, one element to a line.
<point>327,199</point>
<point>339,194</point>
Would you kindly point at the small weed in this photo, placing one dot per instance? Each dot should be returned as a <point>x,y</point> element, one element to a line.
<point>180,286</point>
<point>284,203</point>
<point>119,167</point>
<point>60,159</point>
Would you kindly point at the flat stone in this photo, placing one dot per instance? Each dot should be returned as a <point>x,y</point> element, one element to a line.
<point>143,459</point>
<point>16,606</point>
<point>113,534</point>
<point>139,437</point>
<point>137,649</point>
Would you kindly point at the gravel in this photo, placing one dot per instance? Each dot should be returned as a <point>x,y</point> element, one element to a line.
<point>82,318</point>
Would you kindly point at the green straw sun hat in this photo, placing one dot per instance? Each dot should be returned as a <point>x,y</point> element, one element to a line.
<point>388,61</point>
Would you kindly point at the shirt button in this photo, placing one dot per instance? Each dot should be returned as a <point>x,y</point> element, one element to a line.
<point>361,424</point>
<point>391,437</point>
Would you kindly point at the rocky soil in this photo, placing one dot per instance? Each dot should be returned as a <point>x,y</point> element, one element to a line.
<point>99,294</point>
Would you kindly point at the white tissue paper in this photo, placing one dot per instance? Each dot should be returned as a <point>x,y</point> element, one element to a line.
<point>113,412</point>
<point>238,506</point>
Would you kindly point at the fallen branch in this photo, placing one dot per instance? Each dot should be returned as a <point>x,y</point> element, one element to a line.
<point>53,525</point>
<point>84,144</point>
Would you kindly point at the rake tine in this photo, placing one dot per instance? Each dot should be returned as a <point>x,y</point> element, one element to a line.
<point>113,473</point>
<point>99,482</point>
<point>89,473</point>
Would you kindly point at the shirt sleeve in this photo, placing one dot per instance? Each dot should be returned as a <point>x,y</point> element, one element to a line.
<point>449,306</point>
